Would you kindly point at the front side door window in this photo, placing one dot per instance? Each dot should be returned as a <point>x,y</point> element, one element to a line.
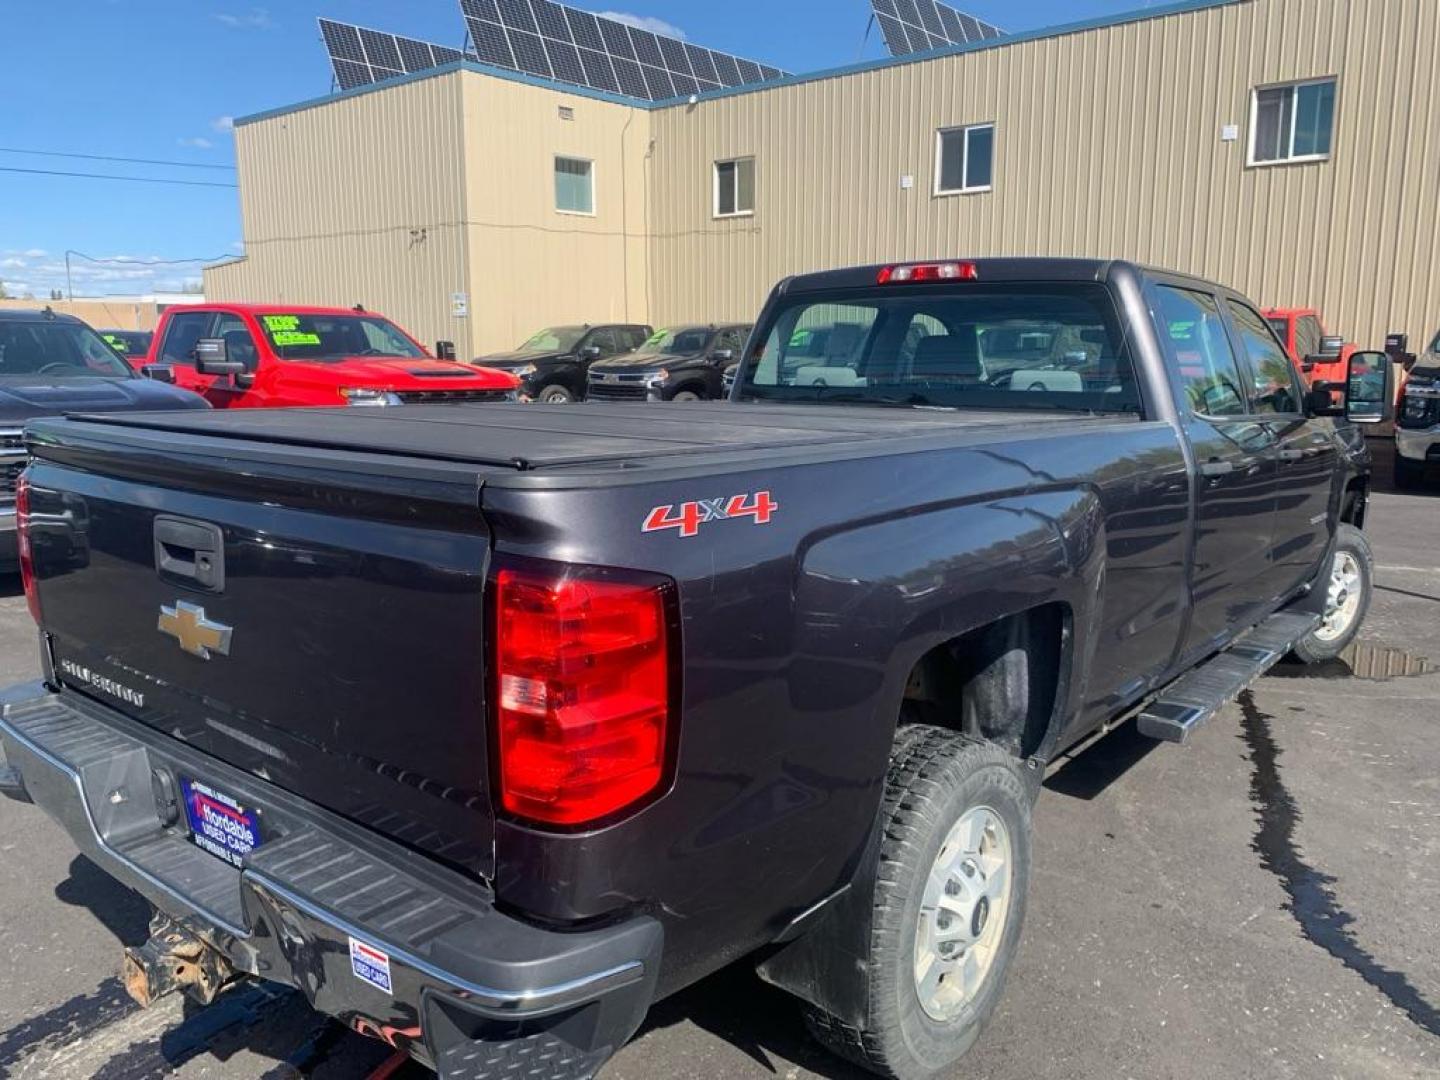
<point>1274,388</point>
<point>181,335</point>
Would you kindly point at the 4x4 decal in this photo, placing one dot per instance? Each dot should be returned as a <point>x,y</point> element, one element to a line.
<point>687,517</point>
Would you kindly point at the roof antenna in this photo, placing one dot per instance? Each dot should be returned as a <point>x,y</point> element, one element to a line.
<point>49,312</point>
<point>359,309</point>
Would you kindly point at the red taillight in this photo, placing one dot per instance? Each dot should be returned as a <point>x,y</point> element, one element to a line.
<point>912,272</point>
<point>582,692</point>
<point>22,543</point>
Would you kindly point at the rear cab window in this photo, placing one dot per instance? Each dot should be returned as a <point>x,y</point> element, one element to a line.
<point>1000,345</point>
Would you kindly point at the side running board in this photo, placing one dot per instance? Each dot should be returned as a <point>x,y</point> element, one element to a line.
<point>1198,695</point>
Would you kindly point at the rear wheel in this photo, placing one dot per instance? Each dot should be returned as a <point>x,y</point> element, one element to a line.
<point>1347,598</point>
<point>948,907</point>
<point>555,395</point>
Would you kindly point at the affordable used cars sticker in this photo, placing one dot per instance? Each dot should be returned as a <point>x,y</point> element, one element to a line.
<point>687,517</point>
<point>370,965</point>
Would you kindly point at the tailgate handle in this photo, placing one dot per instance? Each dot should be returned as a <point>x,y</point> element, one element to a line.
<point>190,553</point>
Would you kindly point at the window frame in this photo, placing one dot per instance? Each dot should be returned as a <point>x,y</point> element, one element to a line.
<point>964,130</point>
<point>594,188</point>
<point>1294,86</point>
<point>715,187</point>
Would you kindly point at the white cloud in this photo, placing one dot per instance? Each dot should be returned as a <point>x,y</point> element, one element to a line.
<point>645,22</point>
<point>199,142</point>
<point>119,274</point>
<point>254,19</point>
<point>223,124</point>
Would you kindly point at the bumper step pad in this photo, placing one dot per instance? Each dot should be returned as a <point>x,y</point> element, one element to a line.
<point>1194,698</point>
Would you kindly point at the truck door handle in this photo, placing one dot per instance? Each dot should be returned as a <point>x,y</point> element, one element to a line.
<point>1293,455</point>
<point>1217,468</point>
<point>190,553</point>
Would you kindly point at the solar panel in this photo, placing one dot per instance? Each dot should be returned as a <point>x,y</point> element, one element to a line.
<point>912,26</point>
<point>361,56</point>
<point>563,43</point>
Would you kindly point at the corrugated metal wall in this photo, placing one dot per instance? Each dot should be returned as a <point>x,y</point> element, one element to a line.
<point>361,200</point>
<point>1108,143</point>
<point>531,266</point>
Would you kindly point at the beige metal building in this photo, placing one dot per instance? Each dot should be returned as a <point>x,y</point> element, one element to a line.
<point>1290,148</point>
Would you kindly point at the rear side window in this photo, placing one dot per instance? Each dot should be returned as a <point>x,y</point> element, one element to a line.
<point>181,335</point>
<point>604,340</point>
<point>1271,373</point>
<point>1199,348</point>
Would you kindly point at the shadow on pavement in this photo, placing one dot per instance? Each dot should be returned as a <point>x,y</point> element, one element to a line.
<point>1088,773</point>
<point>123,912</point>
<point>754,1017</point>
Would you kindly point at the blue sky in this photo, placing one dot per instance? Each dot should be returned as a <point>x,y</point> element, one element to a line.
<point>161,80</point>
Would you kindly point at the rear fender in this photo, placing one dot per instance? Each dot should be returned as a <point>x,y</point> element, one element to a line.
<point>948,571</point>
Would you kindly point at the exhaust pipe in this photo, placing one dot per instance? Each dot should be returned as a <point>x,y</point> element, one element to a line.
<point>173,959</point>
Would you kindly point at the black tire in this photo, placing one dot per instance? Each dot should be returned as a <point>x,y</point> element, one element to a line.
<point>555,394</point>
<point>1409,475</point>
<point>689,394</point>
<point>1320,645</point>
<point>936,777</point>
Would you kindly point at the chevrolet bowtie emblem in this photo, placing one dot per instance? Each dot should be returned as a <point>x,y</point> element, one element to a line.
<point>197,635</point>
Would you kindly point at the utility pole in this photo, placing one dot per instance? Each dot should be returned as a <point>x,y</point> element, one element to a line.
<point>69,286</point>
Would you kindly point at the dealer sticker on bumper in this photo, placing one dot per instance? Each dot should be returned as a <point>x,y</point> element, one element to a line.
<point>219,823</point>
<point>370,965</point>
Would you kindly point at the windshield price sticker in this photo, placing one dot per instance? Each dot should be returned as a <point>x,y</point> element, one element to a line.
<point>281,323</point>
<point>294,337</point>
<point>687,517</point>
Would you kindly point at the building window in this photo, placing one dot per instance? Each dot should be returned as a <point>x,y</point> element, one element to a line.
<point>735,187</point>
<point>964,159</point>
<point>1292,122</point>
<point>574,185</point>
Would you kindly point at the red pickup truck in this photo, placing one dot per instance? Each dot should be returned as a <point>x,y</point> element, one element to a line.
<point>1321,357</point>
<point>268,355</point>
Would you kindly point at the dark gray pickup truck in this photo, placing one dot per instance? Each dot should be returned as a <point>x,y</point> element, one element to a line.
<point>489,726</point>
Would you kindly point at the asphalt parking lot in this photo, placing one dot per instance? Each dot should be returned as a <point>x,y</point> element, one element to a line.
<point>1261,902</point>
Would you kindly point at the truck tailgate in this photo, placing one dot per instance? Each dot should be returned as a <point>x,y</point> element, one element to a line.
<point>316,623</point>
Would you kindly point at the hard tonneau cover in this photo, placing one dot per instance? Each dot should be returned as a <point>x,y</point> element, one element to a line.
<point>549,437</point>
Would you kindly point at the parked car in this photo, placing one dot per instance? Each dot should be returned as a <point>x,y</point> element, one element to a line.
<point>133,345</point>
<point>552,364</point>
<point>1417,427</point>
<point>246,356</point>
<point>51,364</point>
<point>488,735</point>
<point>682,364</point>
